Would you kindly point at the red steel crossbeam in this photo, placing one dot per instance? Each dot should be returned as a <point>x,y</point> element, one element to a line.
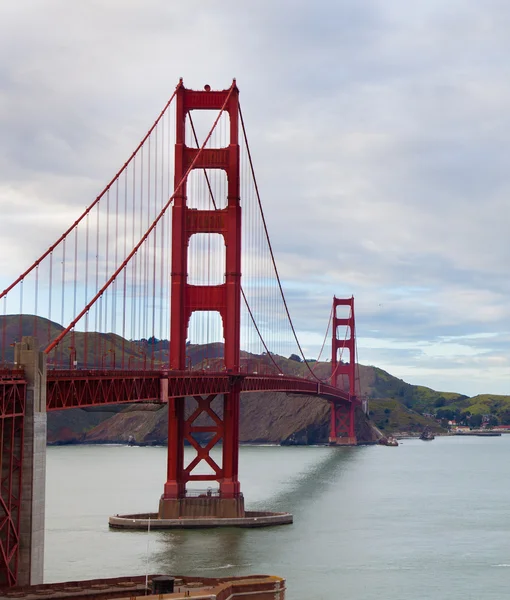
<point>12,414</point>
<point>203,452</point>
<point>343,421</point>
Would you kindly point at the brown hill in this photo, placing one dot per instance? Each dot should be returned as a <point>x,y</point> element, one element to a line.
<point>267,418</point>
<point>271,417</point>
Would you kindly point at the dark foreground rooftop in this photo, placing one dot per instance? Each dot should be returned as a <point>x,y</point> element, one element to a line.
<point>263,587</point>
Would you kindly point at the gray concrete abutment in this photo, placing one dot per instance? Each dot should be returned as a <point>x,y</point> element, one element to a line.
<point>32,514</point>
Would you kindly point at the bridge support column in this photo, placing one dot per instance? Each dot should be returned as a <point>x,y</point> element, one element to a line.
<point>207,424</point>
<point>33,466</point>
<point>220,423</point>
<point>343,431</point>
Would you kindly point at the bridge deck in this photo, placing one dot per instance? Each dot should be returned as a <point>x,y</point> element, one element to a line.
<point>79,388</point>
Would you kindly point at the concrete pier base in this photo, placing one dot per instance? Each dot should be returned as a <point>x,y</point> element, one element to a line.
<point>147,521</point>
<point>343,441</point>
<point>201,506</point>
<point>31,552</point>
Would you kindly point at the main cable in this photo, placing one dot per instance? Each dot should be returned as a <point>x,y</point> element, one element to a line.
<point>89,208</point>
<point>213,200</point>
<point>271,250</point>
<point>126,261</point>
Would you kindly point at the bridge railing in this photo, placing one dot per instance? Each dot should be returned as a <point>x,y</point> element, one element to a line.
<point>207,493</point>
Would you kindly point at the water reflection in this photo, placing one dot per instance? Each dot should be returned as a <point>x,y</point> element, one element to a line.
<point>201,552</point>
<point>304,487</point>
<point>231,551</point>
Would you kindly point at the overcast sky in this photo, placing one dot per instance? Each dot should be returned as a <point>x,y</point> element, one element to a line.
<point>380,131</point>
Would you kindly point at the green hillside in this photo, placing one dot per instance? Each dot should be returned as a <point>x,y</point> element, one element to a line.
<point>390,416</point>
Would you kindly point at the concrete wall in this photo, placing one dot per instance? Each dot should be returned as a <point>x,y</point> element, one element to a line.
<point>224,508</point>
<point>31,556</point>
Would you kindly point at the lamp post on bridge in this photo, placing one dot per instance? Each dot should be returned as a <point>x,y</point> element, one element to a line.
<point>73,363</point>
<point>111,351</point>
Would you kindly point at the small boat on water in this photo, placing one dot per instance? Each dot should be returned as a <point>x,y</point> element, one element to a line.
<point>427,435</point>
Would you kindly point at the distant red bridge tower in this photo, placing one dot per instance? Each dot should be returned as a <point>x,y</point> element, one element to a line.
<point>342,430</point>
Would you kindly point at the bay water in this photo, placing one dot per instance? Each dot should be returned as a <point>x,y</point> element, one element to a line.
<point>426,520</point>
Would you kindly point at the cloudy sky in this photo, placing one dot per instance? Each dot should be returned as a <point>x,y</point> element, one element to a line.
<point>380,131</point>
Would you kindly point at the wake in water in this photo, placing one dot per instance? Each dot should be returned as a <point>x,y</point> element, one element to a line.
<point>227,566</point>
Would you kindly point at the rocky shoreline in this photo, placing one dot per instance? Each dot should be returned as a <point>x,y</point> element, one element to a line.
<point>272,418</point>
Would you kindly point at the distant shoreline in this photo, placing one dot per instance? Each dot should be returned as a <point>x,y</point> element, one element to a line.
<point>472,433</point>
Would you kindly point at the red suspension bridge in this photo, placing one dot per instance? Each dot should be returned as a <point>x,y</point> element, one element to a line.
<point>157,257</point>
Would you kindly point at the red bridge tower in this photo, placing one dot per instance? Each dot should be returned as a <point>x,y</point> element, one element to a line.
<point>342,431</point>
<point>186,299</point>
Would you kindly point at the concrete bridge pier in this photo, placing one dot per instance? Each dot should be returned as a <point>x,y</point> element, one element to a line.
<point>31,549</point>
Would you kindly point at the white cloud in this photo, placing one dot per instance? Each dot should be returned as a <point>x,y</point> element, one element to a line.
<point>379,132</point>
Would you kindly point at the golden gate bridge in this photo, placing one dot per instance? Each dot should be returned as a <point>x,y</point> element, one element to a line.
<point>156,257</point>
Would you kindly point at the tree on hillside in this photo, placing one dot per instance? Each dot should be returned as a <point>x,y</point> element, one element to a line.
<point>445,413</point>
<point>493,421</point>
<point>464,418</point>
<point>295,357</point>
<point>505,417</point>
<point>475,420</point>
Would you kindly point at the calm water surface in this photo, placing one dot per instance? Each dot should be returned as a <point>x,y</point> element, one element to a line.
<point>426,520</point>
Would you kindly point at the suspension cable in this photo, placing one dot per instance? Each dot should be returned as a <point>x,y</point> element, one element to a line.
<point>324,340</point>
<point>89,208</point>
<point>211,193</point>
<point>126,261</point>
<point>271,249</point>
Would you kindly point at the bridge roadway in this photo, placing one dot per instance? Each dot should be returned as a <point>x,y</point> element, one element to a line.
<point>80,388</point>
<point>83,387</point>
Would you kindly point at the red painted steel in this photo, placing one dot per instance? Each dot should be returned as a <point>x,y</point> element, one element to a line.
<point>342,428</point>
<point>81,388</point>
<point>224,298</point>
<point>12,413</point>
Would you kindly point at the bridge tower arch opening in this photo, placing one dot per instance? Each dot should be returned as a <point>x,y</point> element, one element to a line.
<point>187,298</point>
